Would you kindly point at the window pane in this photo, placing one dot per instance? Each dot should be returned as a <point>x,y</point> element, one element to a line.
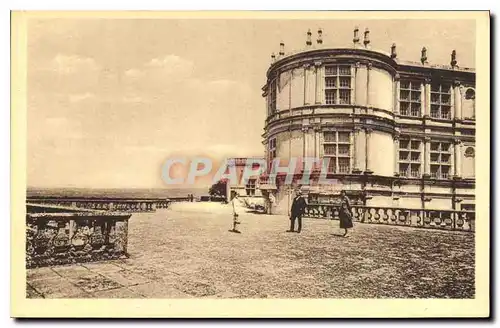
<point>331,70</point>
<point>435,146</point>
<point>330,96</point>
<point>415,170</point>
<point>403,144</point>
<point>329,137</point>
<point>415,110</point>
<point>332,165</point>
<point>434,157</point>
<point>415,85</point>
<point>435,111</point>
<point>415,144</point>
<point>446,99</point>
<point>445,147</point>
<point>445,172</point>
<point>404,95</point>
<point>344,137</point>
<point>403,155</point>
<point>415,156</point>
<point>344,70</point>
<point>345,96</point>
<point>330,149</point>
<point>343,149</point>
<point>404,109</point>
<point>343,165</point>
<point>403,169</point>
<point>415,96</point>
<point>331,82</point>
<point>345,82</point>
<point>435,171</point>
<point>445,112</point>
<point>404,85</point>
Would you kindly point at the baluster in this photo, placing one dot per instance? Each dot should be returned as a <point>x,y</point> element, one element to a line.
<point>384,215</point>
<point>472,220</point>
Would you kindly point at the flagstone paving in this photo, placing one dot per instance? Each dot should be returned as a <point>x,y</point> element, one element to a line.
<point>186,251</point>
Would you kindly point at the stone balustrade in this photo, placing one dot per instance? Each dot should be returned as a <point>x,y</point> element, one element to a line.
<point>106,204</point>
<point>58,235</point>
<point>162,203</point>
<point>421,218</point>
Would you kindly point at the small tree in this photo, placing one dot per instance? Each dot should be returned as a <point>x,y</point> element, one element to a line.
<point>218,189</point>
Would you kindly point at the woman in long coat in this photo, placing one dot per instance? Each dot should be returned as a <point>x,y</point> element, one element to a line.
<point>345,213</point>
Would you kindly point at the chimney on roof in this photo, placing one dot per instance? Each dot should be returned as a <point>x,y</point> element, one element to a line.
<point>273,58</point>
<point>355,39</point>
<point>320,36</point>
<point>453,59</point>
<point>308,39</point>
<point>423,57</point>
<point>394,54</point>
<point>366,41</point>
<point>282,49</point>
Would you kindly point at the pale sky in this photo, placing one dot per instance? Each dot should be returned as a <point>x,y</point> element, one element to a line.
<point>110,99</point>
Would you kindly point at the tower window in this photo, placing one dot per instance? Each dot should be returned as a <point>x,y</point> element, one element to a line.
<point>337,147</point>
<point>338,84</point>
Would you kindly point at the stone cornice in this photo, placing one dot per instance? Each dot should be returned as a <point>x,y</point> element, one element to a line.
<point>377,59</point>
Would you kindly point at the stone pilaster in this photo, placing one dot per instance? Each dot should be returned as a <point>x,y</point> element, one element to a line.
<point>368,132</point>
<point>426,106</point>
<point>457,100</point>
<point>356,167</point>
<point>306,84</point>
<point>368,70</point>
<point>458,158</point>
<point>319,89</point>
<point>395,138</point>
<point>427,157</point>
<point>305,129</point>
<point>452,163</point>
<point>317,141</point>
<point>396,94</point>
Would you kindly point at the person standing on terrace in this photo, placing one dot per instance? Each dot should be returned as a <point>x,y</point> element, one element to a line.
<point>345,214</point>
<point>234,198</point>
<point>297,211</point>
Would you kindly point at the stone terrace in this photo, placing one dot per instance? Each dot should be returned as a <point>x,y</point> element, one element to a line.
<point>186,251</point>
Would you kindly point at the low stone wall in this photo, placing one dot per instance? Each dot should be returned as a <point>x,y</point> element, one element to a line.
<point>426,218</point>
<point>57,235</point>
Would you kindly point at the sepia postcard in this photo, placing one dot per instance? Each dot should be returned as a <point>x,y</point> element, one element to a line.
<point>250,164</point>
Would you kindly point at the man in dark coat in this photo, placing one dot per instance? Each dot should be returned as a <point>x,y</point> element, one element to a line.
<point>298,209</point>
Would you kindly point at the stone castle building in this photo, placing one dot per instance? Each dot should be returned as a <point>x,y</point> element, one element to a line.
<point>397,133</point>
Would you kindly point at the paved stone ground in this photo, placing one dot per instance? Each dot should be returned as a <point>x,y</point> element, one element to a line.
<point>187,251</point>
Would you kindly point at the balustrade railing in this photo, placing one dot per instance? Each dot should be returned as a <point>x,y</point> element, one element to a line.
<point>421,218</point>
<point>106,204</point>
<point>73,237</point>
